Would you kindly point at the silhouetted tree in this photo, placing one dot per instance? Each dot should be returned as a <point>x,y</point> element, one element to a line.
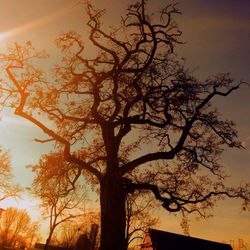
<point>7,187</point>
<point>69,233</point>
<point>139,208</point>
<point>51,186</point>
<point>131,117</point>
<point>17,229</point>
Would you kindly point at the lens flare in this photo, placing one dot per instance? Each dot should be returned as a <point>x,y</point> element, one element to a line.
<point>35,23</point>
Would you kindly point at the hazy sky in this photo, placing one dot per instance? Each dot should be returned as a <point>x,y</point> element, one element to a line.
<point>217,36</point>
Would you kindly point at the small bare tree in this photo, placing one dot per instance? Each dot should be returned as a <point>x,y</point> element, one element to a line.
<point>7,188</point>
<point>69,233</point>
<point>51,186</point>
<point>16,228</point>
<point>139,217</point>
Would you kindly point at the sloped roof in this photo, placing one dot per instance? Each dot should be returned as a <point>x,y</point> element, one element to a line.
<point>162,240</point>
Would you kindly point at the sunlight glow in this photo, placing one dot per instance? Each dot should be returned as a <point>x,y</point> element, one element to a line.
<point>26,202</point>
<point>34,24</point>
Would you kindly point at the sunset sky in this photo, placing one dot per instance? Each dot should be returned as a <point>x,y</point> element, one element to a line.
<point>217,39</point>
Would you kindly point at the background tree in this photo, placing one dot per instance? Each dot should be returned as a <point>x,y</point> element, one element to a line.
<point>51,186</point>
<point>7,188</point>
<point>69,232</point>
<point>68,235</point>
<point>139,209</point>
<point>131,116</point>
<point>17,228</point>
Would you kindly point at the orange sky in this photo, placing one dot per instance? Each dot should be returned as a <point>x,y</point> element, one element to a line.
<point>218,40</point>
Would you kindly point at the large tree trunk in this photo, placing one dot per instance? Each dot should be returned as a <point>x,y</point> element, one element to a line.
<point>113,214</point>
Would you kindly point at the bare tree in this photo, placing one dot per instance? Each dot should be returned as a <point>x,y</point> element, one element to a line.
<point>51,185</point>
<point>16,228</point>
<point>7,187</point>
<point>69,232</point>
<point>131,118</point>
<point>139,208</point>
